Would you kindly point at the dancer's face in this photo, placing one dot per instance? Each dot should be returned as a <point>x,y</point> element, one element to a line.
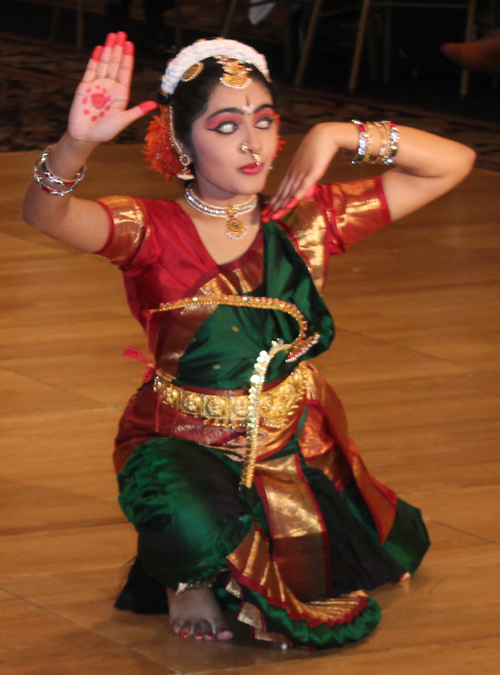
<point>234,118</point>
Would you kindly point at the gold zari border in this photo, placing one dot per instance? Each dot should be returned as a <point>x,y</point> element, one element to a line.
<point>296,525</point>
<point>309,228</point>
<point>277,405</point>
<point>129,225</point>
<point>252,565</point>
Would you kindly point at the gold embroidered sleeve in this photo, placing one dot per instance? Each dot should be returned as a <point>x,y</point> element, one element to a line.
<point>128,231</point>
<point>354,210</point>
<point>307,228</point>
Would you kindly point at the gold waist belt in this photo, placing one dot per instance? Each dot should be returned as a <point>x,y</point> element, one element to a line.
<point>277,405</point>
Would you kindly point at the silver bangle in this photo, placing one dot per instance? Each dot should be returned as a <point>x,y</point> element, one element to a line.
<point>363,142</point>
<point>392,142</point>
<point>51,183</point>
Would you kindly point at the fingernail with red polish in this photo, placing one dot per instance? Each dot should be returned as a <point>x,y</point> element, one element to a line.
<point>293,202</point>
<point>209,636</point>
<point>310,192</point>
<point>120,38</point>
<point>128,48</point>
<point>279,214</point>
<point>110,40</point>
<point>199,635</point>
<point>148,106</point>
<point>96,54</point>
<point>185,633</point>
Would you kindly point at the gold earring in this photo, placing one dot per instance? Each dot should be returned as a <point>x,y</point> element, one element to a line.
<point>185,160</point>
<point>185,173</point>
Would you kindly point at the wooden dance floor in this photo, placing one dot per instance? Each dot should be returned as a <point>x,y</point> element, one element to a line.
<point>416,362</point>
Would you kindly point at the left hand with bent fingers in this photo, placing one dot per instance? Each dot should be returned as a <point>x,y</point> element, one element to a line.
<point>308,166</point>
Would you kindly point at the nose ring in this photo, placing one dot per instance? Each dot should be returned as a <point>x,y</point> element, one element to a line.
<point>255,156</point>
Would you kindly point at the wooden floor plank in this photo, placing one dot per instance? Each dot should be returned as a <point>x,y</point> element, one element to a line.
<point>35,642</point>
<point>458,658</point>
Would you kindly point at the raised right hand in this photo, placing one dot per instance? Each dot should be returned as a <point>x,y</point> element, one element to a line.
<point>99,109</point>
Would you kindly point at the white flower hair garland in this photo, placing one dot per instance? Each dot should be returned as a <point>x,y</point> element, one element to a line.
<point>203,49</point>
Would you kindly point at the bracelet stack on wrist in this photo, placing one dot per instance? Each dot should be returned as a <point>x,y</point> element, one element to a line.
<point>389,142</point>
<point>51,183</point>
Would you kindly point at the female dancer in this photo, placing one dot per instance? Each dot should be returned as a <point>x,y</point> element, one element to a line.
<point>233,458</point>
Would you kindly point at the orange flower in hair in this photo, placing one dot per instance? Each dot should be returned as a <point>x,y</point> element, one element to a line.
<point>159,151</point>
<point>281,141</point>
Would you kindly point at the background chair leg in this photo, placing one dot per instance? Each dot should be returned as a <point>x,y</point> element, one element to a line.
<point>469,29</point>
<point>311,30</point>
<point>56,10</point>
<point>80,17</point>
<point>178,24</point>
<point>228,20</point>
<point>288,28</point>
<point>365,8</point>
<point>387,44</point>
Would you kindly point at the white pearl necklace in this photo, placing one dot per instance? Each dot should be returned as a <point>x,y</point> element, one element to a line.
<point>235,228</point>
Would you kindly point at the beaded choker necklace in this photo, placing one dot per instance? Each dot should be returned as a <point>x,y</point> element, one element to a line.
<point>235,229</point>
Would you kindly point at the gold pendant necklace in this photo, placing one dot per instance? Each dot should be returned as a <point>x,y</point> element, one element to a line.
<point>235,229</point>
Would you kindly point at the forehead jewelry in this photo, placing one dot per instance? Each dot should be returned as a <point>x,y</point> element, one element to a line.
<point>235,229</point>
<point>235,73</point>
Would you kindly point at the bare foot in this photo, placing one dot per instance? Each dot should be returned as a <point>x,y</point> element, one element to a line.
<point>196,614</point>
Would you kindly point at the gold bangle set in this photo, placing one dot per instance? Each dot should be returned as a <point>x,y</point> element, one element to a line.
<point>389,142</point>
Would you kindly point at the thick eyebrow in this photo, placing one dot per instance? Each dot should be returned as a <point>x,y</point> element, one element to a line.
<point>238,111</point>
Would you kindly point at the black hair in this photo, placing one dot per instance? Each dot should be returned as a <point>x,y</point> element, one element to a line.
<point>190,99</point>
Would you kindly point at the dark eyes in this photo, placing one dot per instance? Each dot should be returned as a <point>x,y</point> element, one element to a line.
<point>229,126</point>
